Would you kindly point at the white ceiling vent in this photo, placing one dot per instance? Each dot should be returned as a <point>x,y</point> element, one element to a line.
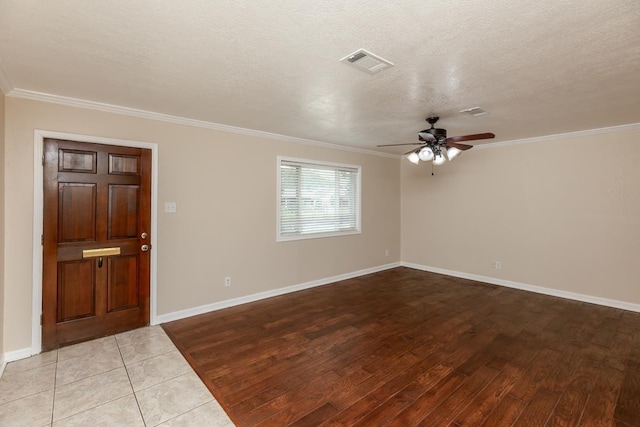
<point>366,61</point>
<point>475,111</point>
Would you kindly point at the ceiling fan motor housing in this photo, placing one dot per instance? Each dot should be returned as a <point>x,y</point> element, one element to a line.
<point>439,134</point>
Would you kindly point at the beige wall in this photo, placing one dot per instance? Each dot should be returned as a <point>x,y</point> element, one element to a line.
<point>225,188</point>
<point>562,214</point>
<point>2,252</point>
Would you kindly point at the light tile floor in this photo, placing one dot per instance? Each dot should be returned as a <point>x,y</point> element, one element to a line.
<point>137,378</point>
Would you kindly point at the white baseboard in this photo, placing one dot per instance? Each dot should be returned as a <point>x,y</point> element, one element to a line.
<point>177,315</point>
<point>182,314</point>
<point>13,356</point>
<point>531,288</point>
<point>17,355</point>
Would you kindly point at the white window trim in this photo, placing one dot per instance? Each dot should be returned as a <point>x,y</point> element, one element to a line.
<point>358,230</point>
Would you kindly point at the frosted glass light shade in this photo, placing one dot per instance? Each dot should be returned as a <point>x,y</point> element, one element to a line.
<point>439,159</point>
<point>414,158</point>
<point>425,154</point>
<point>452,152</point>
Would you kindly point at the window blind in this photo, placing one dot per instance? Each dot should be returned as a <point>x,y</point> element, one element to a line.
<point>318,199</point>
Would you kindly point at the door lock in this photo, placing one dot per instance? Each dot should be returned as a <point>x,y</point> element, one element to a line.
<point>144,248</point>
<point>144,235</point>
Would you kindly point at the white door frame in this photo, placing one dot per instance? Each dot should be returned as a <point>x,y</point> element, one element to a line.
<point>38,217</point>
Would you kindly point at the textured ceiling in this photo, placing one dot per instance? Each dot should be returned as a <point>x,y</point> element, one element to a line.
<point>538,67</point>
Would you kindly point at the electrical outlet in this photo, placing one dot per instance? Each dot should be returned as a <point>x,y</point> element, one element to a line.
<point>493,264</point>
<point>498,265</point>
<point>386,252</point>
<point>227,281</point>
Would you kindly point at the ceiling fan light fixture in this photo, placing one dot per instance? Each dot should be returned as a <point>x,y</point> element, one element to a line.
<point>426,154</point>
<point>414,158</point>
<point>439,159</point>
<point>436,146</point>
<point>452,152</point>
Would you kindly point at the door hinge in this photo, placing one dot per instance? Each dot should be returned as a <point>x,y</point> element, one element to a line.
<point>42,239</point>
<point>40,319</point>
<point>43,160</point>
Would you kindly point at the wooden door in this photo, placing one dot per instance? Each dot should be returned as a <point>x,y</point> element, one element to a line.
<point>96,260</point>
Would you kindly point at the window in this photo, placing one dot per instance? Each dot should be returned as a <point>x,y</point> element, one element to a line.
<point>317,199</point>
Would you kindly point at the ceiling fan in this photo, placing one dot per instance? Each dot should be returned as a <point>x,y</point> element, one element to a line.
<point>435,146</point>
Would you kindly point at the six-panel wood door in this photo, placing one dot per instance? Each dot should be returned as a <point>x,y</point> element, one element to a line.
<point>95,197</point>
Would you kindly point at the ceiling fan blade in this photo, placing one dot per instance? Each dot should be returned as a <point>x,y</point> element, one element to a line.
<point>460,147</point>
<point>396,145</point>
<point>412,151</point>
<point>426,136</point>
<point>470,137</point>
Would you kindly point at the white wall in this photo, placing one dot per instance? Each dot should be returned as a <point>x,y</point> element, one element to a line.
<point>2,250</point>
<point>225,188</point>
<point>561,214</point>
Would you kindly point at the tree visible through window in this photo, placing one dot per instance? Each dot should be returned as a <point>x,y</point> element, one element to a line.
<point>317,199</point>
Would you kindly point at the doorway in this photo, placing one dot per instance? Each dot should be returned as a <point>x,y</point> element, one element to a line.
<point>97,239</point>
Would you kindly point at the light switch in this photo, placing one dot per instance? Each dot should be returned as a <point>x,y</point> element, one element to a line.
<point>170,207</point>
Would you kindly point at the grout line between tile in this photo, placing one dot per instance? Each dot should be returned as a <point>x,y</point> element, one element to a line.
<point>190,410</point>
<point>130,383</point>
<point>90,376</point>
<point>55,379</point>
<point>92,408</point>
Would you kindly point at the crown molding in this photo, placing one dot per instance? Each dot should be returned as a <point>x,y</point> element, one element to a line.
<point>581,133</point>
<point>5,85</point>
<point>150,115</point>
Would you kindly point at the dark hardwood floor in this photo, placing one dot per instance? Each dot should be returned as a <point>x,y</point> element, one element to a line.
<point>405,347</point>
